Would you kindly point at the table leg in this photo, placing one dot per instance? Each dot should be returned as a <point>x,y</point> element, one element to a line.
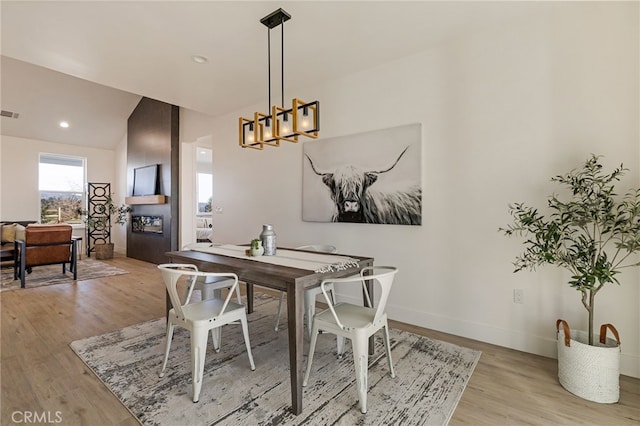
<point>295,305</point>
<point>249,298</point>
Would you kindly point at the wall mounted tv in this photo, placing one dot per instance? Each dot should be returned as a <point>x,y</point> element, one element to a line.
<point>145,180</point>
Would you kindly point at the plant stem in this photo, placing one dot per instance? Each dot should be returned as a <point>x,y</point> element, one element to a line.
<point>592,295</point>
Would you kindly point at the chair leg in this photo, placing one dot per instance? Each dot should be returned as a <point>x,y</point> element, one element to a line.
<point>238,295</point>
<point>340,343</point>
<point>207,292</point>
<point>339,339</point>
<point>279,310</point>
<point>312,349</point>
<point>361,364</point>
<point>245,331</point>
<point>16,265</point>
<point>198,352</point>
<point>310,309</point>
<point>22,275</point>
<point>385,336</point>
<point>310,306</point>
<point>170,328</point>
<point>73,265</point>
<point>216,337</point>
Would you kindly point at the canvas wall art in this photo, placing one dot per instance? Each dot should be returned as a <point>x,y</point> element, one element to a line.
<point>373,177</point>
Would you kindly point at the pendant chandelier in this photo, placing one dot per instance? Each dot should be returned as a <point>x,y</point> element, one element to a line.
<point>279,123</point>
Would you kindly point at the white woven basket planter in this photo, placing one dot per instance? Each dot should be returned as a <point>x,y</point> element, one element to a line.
<point>590,372</point>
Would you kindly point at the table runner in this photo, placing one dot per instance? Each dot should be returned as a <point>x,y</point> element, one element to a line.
<point>316,262</point>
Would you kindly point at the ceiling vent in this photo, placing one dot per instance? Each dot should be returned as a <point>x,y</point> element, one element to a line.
<point>9,114</point>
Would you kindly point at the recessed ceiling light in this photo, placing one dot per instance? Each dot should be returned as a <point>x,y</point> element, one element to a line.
<point>64,124</point>
<point>199,59</point>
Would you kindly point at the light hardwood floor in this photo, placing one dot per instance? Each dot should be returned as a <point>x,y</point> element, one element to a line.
<point>41,374</point>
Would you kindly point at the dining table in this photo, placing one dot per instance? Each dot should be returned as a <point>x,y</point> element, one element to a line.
<point>289,270</point>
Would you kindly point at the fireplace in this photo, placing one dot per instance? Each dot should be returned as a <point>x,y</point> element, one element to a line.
<point>146,224</point>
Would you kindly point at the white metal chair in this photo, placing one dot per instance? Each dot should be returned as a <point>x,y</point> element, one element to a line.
<point>357,323</point>
<point>311,293</point>
<point>200,318</point>
<point>209,286</point>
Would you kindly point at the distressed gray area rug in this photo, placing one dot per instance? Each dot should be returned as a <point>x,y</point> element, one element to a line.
<point>88,269</point>
<point>430,377</point>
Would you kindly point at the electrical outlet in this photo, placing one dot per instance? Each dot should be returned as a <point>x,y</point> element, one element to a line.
<point>518,295</point>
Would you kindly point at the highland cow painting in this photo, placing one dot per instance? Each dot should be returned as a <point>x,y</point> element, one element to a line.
<point>372,177</point>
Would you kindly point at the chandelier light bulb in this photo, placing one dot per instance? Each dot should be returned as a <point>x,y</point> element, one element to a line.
<point>267,128</point>
<point>285,124</point>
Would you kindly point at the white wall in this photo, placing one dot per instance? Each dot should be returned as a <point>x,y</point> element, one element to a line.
<point>19,174</point>
<point>121,190</point>
<point>187,196</point>
<point>502,111</point>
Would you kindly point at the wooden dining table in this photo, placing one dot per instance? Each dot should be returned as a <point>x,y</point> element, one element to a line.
<point>291,280</point>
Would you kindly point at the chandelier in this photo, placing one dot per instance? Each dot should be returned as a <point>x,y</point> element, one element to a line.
<point>279,123</point>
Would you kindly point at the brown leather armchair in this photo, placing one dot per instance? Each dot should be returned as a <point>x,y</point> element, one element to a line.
<point>45,245</point>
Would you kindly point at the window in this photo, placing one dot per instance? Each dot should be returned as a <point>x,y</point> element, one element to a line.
<point>61,182</point>
<point>204,180</point>
<point>205,189</point>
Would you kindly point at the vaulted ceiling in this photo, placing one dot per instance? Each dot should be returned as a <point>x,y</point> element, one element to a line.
<point>89,62</point>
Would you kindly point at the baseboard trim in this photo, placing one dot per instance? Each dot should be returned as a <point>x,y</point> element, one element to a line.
<point>500,336</point>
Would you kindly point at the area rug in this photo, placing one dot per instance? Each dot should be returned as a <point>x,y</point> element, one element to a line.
<point>88,269</point>
<point>430,377</point>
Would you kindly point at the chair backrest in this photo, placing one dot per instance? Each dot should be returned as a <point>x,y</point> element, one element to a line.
<point>383,275</point>
<point>171,273</point>
<point>322,248</point>
<point>384,279</point>
<point>54,236</point>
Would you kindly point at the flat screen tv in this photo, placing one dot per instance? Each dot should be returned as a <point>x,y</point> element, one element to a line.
<point>145,180</point>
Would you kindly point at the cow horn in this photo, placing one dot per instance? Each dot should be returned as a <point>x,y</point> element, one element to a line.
<point>314,168</point>
<point>394,164</point>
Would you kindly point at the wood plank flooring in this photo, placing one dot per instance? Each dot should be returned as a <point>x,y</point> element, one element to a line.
<point>42,377</point>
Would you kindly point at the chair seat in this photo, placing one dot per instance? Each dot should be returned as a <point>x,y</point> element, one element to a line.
<point>351,316</point>
<point>203,311</point>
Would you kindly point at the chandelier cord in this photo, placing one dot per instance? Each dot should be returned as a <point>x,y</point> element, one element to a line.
<point>269,68</point>
<point>282,62</point>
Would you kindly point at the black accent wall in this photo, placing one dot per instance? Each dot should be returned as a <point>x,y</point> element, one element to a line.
<point>152,138</point>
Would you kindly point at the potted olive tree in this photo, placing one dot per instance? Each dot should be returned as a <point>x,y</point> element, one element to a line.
<point>99,223</point>
<point>595,234</point>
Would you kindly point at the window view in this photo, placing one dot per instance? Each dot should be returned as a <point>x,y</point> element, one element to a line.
<point>205,189</point>
<point>204,180</point>
<point>61,182</point>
